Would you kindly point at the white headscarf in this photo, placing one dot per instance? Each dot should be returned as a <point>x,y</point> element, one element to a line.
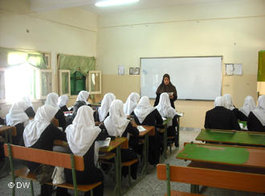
<point>228,102</point>
<point>164,107</point>
<point>17,113</point>
<point>52,100</point>
<point>131,103</point>
<point>63,100</point>
<point>105,105</point>
<point>219,101</point>
<point>83,96</point>
<point>143,108</point>
<point>259,112</point>
<point>82,132</point>
<point>26,99</point>
<point>248,106</point>
<point>116,122</point>
<point>41,121</point>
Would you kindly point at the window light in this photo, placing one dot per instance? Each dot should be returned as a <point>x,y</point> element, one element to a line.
<point>107,3</point>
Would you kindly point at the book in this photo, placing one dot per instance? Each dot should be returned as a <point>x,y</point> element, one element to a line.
<point>141,128</point>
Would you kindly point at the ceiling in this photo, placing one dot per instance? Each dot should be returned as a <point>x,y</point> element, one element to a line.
<point>48,5</point>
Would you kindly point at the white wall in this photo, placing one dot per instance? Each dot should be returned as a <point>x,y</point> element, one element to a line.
<point>68,31</point>
<point>234,29</point>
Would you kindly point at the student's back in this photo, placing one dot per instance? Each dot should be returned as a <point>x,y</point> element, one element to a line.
<point>221,118</point>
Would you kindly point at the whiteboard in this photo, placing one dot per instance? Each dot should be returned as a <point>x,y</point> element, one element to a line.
<point>195,78</point>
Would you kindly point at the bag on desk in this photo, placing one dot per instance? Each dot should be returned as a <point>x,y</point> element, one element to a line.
<point>44,173</point>
<point>58,175</point>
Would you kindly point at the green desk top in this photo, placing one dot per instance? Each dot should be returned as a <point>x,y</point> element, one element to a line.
<point>234,137</point>
<point>216,154</point>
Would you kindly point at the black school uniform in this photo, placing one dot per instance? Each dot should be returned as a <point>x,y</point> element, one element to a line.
<point>60,117</point>
<point>45,142</point>
<point>254,124</point>
<point>153,119</point>
<point>64,108</point>
<point>129,154</point>
<point>221,118</point>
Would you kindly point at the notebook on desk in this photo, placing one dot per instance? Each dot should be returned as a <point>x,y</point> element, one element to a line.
<point>141,128</point>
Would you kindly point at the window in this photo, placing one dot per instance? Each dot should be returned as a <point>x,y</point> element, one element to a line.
<point>94,82</point>
<point>65,85</point>
<point>20,77</point>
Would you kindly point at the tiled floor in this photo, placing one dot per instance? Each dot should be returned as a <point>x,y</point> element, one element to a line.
<point>148,186</point>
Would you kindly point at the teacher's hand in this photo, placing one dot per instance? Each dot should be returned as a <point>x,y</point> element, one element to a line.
<point>171,96</point>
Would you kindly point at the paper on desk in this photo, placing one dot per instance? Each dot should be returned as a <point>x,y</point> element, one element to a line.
<point>104,143</point>
<point>141,128</point>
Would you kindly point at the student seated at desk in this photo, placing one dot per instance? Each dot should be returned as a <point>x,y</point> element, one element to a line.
<point>167,111</point>
<point>40,133</point>
<point>81,136</point>
<point>220,118</point>
<point>131,103</point>
<point>256,118</point>
<point>103,110</point>
<point>62,102</point>
<point>228,104</point>
<point>81,100</point>
<point>248,106</point>
<point>145,114</point>
<point>18,117</point>
<point>118,125</point>
<point>52,100</point>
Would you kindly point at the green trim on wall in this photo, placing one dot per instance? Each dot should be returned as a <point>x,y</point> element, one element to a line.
<point>261,66</point>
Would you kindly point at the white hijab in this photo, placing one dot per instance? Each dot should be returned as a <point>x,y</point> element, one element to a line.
<point>116,122</point>
<point>17,113</point>
<point>52,100</point>
<point>228,102</point>
<point>164,107</point>
<point>248,106</point>
<point>131,103</point>
<point>63,100</point>
<point>143,108</point>
<point>83,96</point>
<point>259,112</point>
<point>82,132</point>
<point>219,101</point>
<point>105,105</point>
<point>41,121</point>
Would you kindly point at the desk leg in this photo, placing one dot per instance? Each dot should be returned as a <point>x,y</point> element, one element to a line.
<point>165,144</point>
<point>145,154</point>
<point>117,188</point>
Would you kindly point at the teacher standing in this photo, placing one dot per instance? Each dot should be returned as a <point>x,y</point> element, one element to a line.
<point>167,87</point>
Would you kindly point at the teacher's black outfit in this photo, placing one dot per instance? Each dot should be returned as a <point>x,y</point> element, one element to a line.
<point>166,87</point>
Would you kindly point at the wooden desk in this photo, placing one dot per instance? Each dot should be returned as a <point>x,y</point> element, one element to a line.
<point>150,131</point>
<point>249,138</point>
<point>117,144</point>
<point>8,131</point>
<point>226,155</point>
<point>225,158</point>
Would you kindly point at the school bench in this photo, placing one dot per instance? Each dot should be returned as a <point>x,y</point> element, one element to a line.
<point>234,180</point>
<point>68,161</point>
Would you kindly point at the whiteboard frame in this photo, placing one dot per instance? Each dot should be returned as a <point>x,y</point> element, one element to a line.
<point>220,56</point>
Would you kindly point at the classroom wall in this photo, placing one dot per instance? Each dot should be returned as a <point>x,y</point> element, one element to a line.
<point>68,31</point>
<point>234,29</point>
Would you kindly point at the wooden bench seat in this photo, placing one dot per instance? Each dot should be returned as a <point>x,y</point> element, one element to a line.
<point>240,181</point>
<point>68,161</point>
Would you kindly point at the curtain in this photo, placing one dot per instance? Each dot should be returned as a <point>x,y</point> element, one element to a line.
<point>261,66</point>
<point>13,57</point>
<point>81,64</point>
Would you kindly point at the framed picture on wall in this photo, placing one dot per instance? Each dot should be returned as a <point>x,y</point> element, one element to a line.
<point>137,71</point>
<point>131,71</point>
